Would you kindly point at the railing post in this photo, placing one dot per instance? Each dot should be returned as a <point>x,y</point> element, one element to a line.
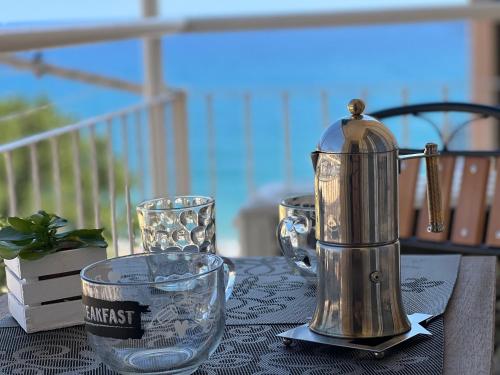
<point>446,129</point>
<point>325,110</point>
<point>249,143</point>
<point>212,147</point>
<point>286,137</point>
<point>77,177</point>
<point>11,183</point>
<point>404,119</point>
<point>181,144</point>
<point>483,134</point>
<point>154,87</point>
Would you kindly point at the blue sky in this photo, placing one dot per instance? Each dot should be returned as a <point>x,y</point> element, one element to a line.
<point>21,11</point>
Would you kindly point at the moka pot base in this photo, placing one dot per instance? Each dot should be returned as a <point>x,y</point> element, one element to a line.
<point>377,346</point>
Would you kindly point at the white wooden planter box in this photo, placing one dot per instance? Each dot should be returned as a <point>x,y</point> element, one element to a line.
<point>45,294</point>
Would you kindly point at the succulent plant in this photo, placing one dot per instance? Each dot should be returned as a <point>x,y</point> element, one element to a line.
<point>38,235</point>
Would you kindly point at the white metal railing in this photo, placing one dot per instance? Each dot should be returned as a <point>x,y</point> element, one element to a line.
<point>127,127</point>
<point>54,133</point>
<point>323,96</point>
<point>179,122</point>
<point>40,68</point>
<point>49,37</point>
<point>100,128</point>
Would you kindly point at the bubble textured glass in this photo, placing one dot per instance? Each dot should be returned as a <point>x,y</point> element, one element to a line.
<point>183,223</point>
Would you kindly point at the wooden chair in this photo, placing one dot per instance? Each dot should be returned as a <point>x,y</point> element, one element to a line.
<point>473,223</point>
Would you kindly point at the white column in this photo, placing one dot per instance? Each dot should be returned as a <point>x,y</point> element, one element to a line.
<point>181,144</point>
<point>153,87</point>
<point>484,54</point>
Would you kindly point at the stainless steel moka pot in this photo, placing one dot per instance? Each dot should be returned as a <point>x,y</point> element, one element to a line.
<point>356,201</point>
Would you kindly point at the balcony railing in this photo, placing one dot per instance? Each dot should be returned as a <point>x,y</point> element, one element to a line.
<point>110,138</point>
<point>42,38</point>
<point>121,142</point>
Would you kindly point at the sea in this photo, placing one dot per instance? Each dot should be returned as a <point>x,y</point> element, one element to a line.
<point>387,65</point>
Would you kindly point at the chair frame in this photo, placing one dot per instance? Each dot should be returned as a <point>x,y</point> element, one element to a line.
<point>414,244</point>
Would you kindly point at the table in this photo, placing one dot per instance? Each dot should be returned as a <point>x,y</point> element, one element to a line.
<point>468,321</point>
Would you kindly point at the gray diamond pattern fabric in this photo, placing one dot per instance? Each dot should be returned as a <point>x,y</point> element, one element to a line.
<point>427,282</point>
<point>244,350</point>
<point>268,299</point>
<point>255,350</point>
<point>268,293</point>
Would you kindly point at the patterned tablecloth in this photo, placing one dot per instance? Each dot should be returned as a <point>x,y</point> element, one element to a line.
<point>268,299</point>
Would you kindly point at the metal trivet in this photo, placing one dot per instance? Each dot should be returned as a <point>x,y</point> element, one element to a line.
<point>376,346</point>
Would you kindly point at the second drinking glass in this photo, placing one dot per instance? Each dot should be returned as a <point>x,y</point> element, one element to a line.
<point>181,223</point>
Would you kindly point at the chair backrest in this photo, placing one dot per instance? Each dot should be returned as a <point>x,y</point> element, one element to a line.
<point>473,222</point>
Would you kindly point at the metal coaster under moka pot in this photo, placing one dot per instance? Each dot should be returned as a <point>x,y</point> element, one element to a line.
<point>358,263</point>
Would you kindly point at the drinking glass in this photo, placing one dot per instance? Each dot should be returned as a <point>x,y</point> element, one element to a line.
<point>181,223</point>
<point>156,312</point>
<point>296,234</point>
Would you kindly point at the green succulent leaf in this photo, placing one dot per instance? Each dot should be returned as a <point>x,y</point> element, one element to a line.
<point>9,251</point>
<point>87,237</point>
<point>34,246</point>
<point>95,243</point>
<point>21,225</point>
<point>36,236</point>
<point>87,233</point>
<point>10,234</point>
<point>24,242</point>
<point>8,254</point>
<point>37,218</point>
<point>57,222</point>
<point>33,255</point>
<point>3,222</point>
